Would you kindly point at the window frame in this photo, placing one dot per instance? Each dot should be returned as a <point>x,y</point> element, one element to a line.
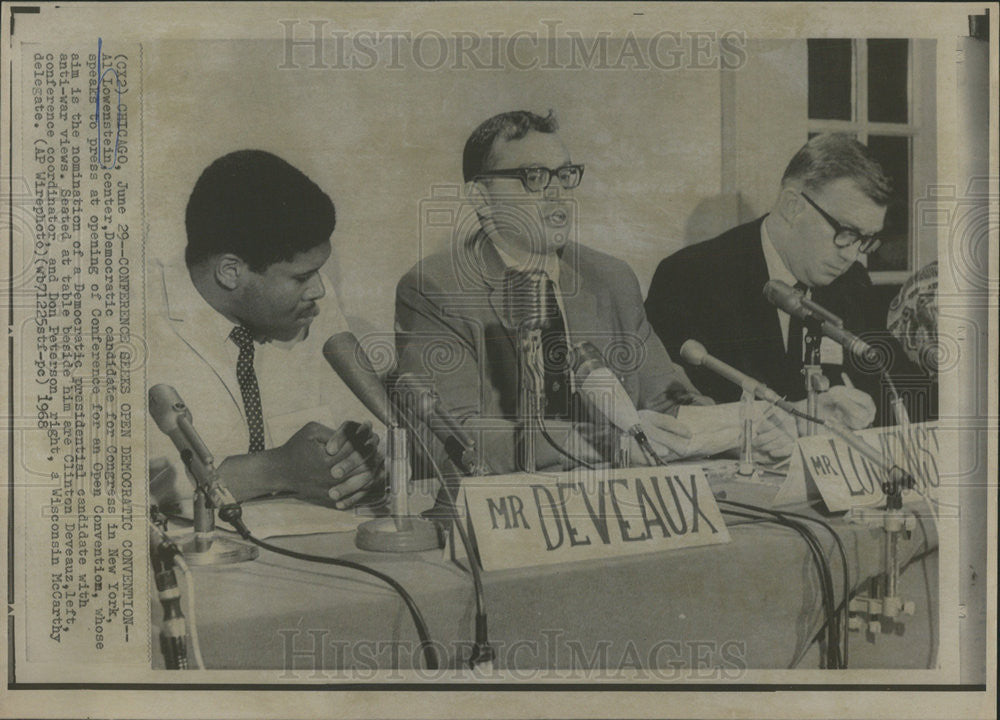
<point>919,128</point>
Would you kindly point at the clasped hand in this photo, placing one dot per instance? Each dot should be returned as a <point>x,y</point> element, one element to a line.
<point>341,467</point>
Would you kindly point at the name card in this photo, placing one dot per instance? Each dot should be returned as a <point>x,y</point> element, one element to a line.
<point>526,520</point>
<point>844,478</point>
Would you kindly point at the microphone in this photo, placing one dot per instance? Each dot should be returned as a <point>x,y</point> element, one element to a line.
<point>525,302</point>
<point>348,359</point>
<point>420,397</point>
<point>794,302</point>
<point>526,310</point>
<point>602,390</point>
<point>400,532</point>
<point>173,418</point>
<point>694,353</point>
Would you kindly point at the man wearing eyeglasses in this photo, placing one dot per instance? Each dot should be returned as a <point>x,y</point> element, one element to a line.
<point>452,327</point>
<point>830,208</point>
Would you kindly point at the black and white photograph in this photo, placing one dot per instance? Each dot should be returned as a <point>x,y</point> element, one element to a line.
<point>500,359</point>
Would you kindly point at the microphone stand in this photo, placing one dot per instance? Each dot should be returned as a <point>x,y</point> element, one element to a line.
<point>623,452</point>
<point>895,401</point>
<point>419,402</point>
<point>530,404</point>
<point>204,547</point>
<point>816,382</point>
<point>747,467</point>
<point>868,610</point>
<point>885,603</point>
<point>400,532</point>
<point>620,449</point>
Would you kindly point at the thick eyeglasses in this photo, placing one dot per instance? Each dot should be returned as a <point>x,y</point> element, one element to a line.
<point>844,237</point>
<point>536,179</point>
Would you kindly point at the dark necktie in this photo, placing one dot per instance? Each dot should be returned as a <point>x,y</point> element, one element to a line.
<point>795,327</point>
<point>556,354</point>
<point>248,387</point>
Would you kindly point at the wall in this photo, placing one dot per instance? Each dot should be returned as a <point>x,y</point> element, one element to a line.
<point>378,141</point>
<point>763,107</point>
<point>672,156</point>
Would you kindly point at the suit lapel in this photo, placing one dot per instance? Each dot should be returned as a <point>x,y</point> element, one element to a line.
<point>760,316</point>
<point>493,269</point>
<point>580,298</point>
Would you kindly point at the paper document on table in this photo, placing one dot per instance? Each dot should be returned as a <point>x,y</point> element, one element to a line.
<point>714,429</point>
<point>717,428</point>
<point>290,516</point>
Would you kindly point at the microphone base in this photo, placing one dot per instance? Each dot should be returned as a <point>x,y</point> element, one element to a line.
<point>216,550</point>
<point>383,535</point>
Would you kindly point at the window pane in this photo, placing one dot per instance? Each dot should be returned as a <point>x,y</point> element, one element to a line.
<point>848,134</point>
<point>894,155</point>
<point>887,80</point>
<point>830,64</point>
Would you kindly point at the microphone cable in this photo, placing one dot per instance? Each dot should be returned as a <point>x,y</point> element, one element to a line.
<point>647,447</point>
<point>174,628</point>
<point>192,617</point>
<point>833,655</point>
<point>482,650</point>
<point>166,556</point>
<point>845,577</point>
<point>232,514</point>
<point>932,632</point>
<point>557,447</point>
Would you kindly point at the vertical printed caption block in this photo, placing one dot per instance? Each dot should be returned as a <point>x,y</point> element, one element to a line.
<point>79,455</point>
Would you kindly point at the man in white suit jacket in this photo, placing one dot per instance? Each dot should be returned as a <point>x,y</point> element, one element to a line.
<point>258,233</point>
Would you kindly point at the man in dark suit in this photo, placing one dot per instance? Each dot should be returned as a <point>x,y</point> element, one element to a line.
<point>829,211</point>
<point>451,324</point>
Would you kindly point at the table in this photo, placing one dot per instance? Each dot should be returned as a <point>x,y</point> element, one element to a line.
<point>752,603</point>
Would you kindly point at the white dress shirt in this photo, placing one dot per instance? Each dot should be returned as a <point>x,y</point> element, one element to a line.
<point>189,348</point>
